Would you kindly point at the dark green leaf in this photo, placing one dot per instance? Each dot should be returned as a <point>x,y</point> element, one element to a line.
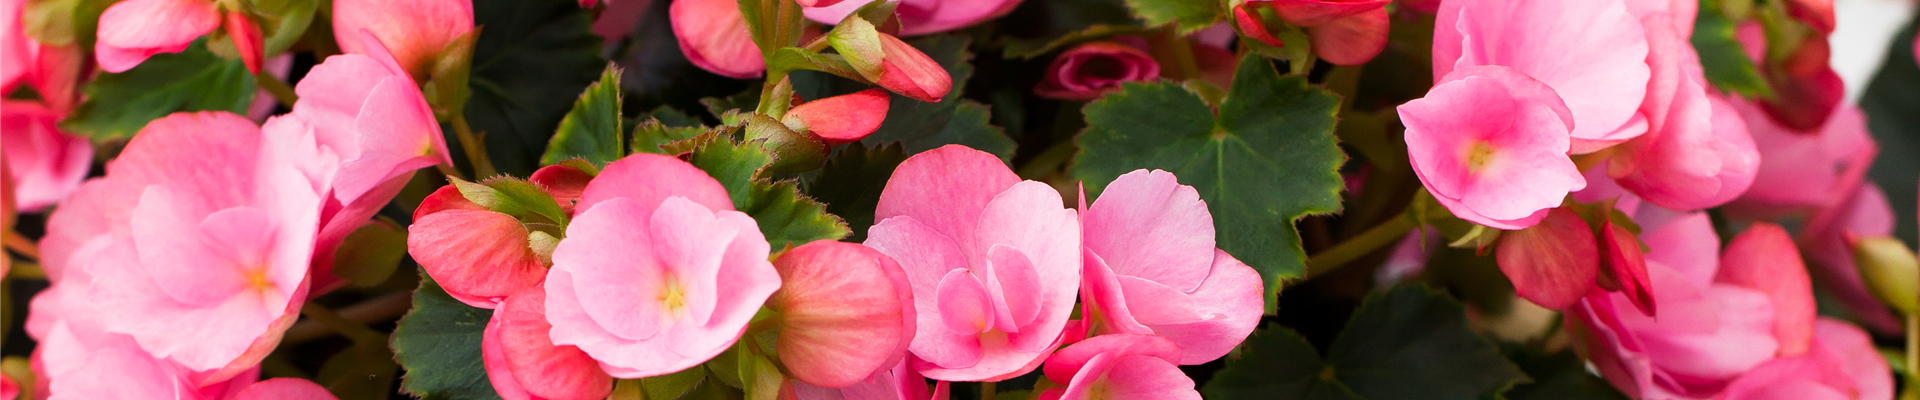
<point>532,60</point>
<point>1406,343</point>
<point>439,345</point>
<point>1267,160</point>
<point>363,371</point>
<point>527,196</point>
<point>283,22</point>
<point>592,130</point>
<point>795,58</point>
<point>1560,376</point>
<point>850,183</point>
<point>674,385</point>
<point>1189,15</point>
<point>118,105</point>
<point>918,125</point>
<point>785,216</point>
<point>1030,48</point>
<point>1276,363</point>
<point>1723,59</point>
<point>736,165</point>
<point>664,125</point>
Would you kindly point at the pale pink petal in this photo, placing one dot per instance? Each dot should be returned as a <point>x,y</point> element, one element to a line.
<point>1591,52</point>
<point>649,179</point>
<point>683,235</point>
<point>1031,217</point>
<point>946,189</point>
<point>920,17</point>
<point>965,306</point>
<point>1015,287</point>
<point>1104,303</point>
<point>1491,144</point>
<point>714,36</point>
<point>1146,224</point>
<point>1688,245</point>
<point>609,265</point>
<point>395,133</point>
<point>1230,302</point>
<point>1155,304</point>
<point>1068,362</point>
<point>131,31</point>
<point>745,281</point>
<point>926,257</point>
<point>1857,357</point>
<point>46,164</point>
<point>1764,258</point>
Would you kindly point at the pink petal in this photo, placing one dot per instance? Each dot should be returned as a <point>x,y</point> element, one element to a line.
<point>841,305</point>
<point>45,163</point>
<point>395,133</point>
<point>1490,144</point>
<point>1688,245</point>
<point>1351,40</point>
<point>285,389</point>
<point>1552,264</point>
<point>1764,258</point>
<point>691,256</point>
<point>1155,304</point>
<point>745,281</point>
<point>565,183</point>
<point>602,248</point>
<point>1230,301</point>
<point>926,257</point>
<point>945,189</point>
<point>1069,362</point>
<point>920,17</point>
<point>715,37</point>
<point>479,256</point>
<point>1592,53</point>
<point>1030,217</point>
<point>907,71</point>
<point>544,369</point>
<point>444,199</point>
<point>1148,225</point>
<point>1015,287</point>
<point>416,31</point>
<point>1090,70</point>
<point>1310,13</point>
<point>1857,357</point>
<point>1626,265</point>
<point>1104,303</point>
<point>649,179</point>
<point>131,31</point>
<point>846,118</point>
<point>965,305</point>
<point>1251,24</point>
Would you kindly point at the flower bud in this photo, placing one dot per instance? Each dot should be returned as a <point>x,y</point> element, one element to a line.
<point>846,312</point>
<point>247,39</point>
<point>841,119</point>
<point>1890,270</point>
<point>884,59</point>
<point>1093,69</point>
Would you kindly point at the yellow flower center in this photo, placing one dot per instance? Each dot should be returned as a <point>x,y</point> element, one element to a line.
<point>672,297</point>
<point>1479,154</point>
<point>257,280</point>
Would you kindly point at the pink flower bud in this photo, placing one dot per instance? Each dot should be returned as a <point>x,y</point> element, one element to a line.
<point>714,36</point>
<point>1093,69</point>
<point>414,31</point>
<point>246,39</point>
<point>479,256</point>
<point>846,313</point>
<point>907,71</point>
<point>842,119</point>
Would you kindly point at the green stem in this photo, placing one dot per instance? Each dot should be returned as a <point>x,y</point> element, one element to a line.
<point>1913,347</point>
<point>279,89</point>
<point>986,390</point>
<point>326,317</point>
<point>476,150</point>
<point>776,96</point>
<point>1373,239</point>
<point>20,244</point>
<point>1172,50</point>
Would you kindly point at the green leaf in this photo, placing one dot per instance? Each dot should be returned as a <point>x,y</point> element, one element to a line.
<point>118,105</point>
<point>530,64</point>
<point>850,184</point>
<point>785,216</point>
<point>1409,342</point>
<point>364,370</point>
<point>1030,48</point>
<point>371,253</point>
<point>1559,376</point>
<point>1267,160</point>
<point>674,385</point>
<point>439,345</point>
<point>762,378</point>
<point>592,130</point>
<point>1723,59</point>
<point>919,125</point>
<point>283,22</point>
<point>1189,15</point>
<point>795,58</point>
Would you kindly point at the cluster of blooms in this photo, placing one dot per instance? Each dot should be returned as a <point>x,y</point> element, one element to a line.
<point>970,275</point>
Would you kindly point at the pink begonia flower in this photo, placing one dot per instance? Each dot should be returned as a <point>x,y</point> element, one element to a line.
<point>1554,263</point>
<point>416,32</point>
<point>902,382</point>
<point>1491,145</point>
<point>8,389</point>
<point>1827,241</point>
<point>920,17</point>
<point>1802,172</point>
<point>133,30</point>
<point>1151,268</point>
<point>15,58</point>
<point>285,389</point>
<point>842,119</point>
<point>994,262</point>
<point>714,36</point>
<point>1764,258</point>
<point>1841,364</point>
<point>364,111</point>
<point>1592,53</point>
<point>1696,152</point>
<point>1343,32</point>
<point>1122,366</point>
<point>45,163</point>
<point>221,231</point>
<point>658,272</point>
<point>523,363</point>
<point>478,255</point>
<point>1090,70</point>
<point>846,313</point>
<point>85,366</point>
<point>1710,330</point>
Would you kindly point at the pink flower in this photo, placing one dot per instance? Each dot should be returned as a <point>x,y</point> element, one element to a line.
<point>1841,364</point>
<point>1092,69</point>
<point>1592,53</point>
<point>1719,317</point>
<point>285,389</point>
<point>845,313</point>
<point>1343,32</point>
<point>415,31</point>
<point>365,112</point>
<point>1802,172</point>
<point>220,233</point>
<point>714,36</point>
<point>1827,238</point>
<point>1696,152</point>
<point>133,30</point>
<point>478,255</point>
<point>1491,145</point>
<point>523,363</point>
<point>994,262</point>
<point>45,163</point>
<point>14,54</point>
<point>902,382</point>
<point>1151,268</point>
<point>75,365</point>
<point>920,17</point>
<point>8,390</point>
<point>842,119</point>
<point>658,272</point>
<point>1119,366</point>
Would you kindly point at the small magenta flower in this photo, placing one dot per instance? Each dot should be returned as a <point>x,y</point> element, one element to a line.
<point>1491,145</point>
<point>658,272</point>
<point>994,262</point>
<point>1125,366</point>
<point>1151,268</point>
<point>1092,69</point>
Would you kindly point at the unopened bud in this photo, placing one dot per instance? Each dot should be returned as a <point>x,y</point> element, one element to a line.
<point>1890,270</point>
